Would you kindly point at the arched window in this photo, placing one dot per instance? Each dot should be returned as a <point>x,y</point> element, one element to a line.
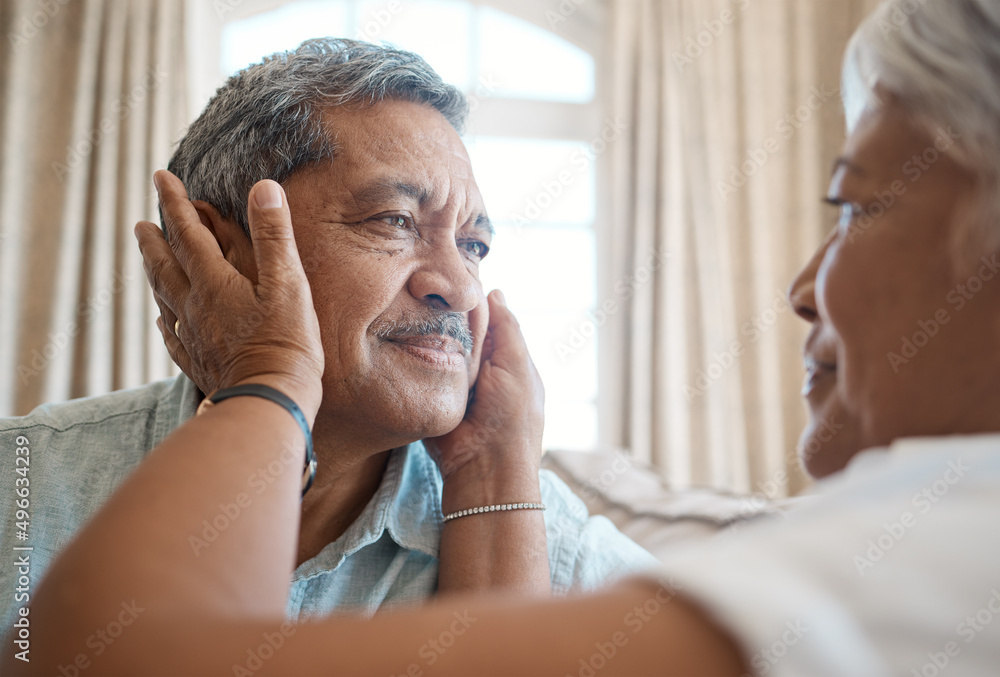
<point>535,118</point>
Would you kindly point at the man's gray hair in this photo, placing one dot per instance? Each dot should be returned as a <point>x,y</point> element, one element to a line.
<point>941,59</point>
<point>267,121</point>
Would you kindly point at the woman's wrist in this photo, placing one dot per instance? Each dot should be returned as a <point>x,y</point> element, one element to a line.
<point>478,485</point>
<point>307,396</point>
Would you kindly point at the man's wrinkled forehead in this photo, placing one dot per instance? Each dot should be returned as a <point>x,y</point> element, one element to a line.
<point>394,129</point>
<point>394,151</point>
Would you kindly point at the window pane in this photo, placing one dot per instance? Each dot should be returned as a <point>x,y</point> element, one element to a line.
<point>564,348</point>
<point>529,62</point>
<point>569,372</point>
<point>249,40</point>
<point>529,181</point>
<point>547,275</point>
<point>543,269</point>
<point>570,425</point>
<point>540,195</point>
<point>437,30</point>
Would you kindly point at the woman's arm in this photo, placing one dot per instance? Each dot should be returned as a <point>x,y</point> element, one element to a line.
<point>207,525</point>
<point>600,635</point>
<point>493,458</point>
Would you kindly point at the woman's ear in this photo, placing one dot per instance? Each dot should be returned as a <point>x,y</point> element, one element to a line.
<point>234,243</point>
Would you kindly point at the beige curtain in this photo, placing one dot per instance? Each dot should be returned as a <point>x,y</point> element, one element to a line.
<point>93,97</point>
<point>733,122</point>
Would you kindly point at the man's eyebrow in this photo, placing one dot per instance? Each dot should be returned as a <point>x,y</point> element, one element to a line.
<point>484,224</point>
<point>848,164</point>
<point>386,190</point>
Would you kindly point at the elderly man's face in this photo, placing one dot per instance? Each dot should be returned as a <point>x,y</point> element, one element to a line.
<point>391,235</point>
<point>898,347</point>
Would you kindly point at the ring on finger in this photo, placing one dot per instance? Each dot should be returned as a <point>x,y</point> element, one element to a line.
<point>177,328</point>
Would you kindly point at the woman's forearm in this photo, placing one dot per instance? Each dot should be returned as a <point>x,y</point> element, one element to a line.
<point>497,551</point>
<point>606,634</point>
<point>492,458</point>
<point>206,526</point>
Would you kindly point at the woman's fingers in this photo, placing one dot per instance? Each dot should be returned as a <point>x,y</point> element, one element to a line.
<point>271,232</point>
<point>175,347</point>
<point>508,349</point>
<point>163,272</point>
<point>169,284</point>
<point>193,245</point>
<point>232,328</point>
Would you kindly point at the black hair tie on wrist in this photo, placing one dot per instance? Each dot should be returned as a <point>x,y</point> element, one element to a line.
<point>279,398</point>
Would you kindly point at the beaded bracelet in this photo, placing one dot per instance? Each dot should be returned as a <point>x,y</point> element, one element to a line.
<point>494,508</point>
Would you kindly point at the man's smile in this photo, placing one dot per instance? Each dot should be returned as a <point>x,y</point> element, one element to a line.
<point>437,350</point>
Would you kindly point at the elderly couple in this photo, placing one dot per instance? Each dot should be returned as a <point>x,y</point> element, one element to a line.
<point>361,148</point>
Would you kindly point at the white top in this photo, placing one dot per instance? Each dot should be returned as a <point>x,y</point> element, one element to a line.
<point>892,569</point>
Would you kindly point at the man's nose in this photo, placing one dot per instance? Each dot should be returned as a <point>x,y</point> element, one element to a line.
<point>802,292</point>
<point>444,282</point>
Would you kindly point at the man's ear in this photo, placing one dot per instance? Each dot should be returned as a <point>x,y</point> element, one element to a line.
<point>234,243</point>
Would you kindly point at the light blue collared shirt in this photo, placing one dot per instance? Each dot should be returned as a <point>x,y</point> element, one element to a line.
<point>80,451</point>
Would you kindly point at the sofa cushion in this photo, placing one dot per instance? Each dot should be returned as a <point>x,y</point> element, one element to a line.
<point>658,518</point>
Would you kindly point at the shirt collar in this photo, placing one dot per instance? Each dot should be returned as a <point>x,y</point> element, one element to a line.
<point>414,519</point>
<point>406,506</point>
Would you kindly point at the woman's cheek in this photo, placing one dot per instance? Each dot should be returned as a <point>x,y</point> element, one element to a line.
<point>844,304</point>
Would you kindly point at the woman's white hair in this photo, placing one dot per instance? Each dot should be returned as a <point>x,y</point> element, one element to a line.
<point>941,60</point>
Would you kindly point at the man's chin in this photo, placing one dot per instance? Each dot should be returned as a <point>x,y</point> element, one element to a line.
<point>391,414</point>
<point>443,426</point>
<point>427,419</point>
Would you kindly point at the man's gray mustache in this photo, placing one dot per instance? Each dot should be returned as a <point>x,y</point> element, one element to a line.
<point>452,325</point>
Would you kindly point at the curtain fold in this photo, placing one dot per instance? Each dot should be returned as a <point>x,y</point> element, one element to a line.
<point>94,97</point>
<point>734,118</point>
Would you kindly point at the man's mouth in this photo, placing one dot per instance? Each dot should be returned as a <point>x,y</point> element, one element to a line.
<point>437,350</point>
<point>817,371</point>
<point>443,338</point>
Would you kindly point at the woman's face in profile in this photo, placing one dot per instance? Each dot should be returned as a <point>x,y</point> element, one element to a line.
<point>899,346</point>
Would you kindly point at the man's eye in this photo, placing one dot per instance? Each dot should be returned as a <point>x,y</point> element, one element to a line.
<point>396,220</point>
<point>477,248</point>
